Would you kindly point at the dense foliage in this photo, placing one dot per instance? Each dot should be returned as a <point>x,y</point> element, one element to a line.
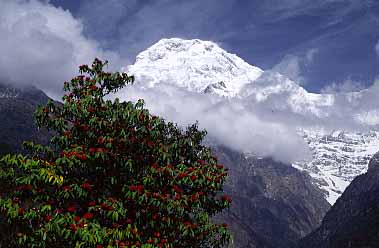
<point>113,176</point>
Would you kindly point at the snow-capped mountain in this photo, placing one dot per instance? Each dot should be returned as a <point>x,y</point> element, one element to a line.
<point>338,128</point>
<point>193,64</point>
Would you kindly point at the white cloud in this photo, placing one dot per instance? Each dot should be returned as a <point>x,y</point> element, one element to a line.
<point>290,66</point>
<point>43,45</point>
<point>229,121</point>
<point>377,48</point>
<point>348,85</point>
<point>310,55</point>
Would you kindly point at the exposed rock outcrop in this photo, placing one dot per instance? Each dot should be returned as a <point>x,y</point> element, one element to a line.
<point>274,205</point>
<point>353,221</point>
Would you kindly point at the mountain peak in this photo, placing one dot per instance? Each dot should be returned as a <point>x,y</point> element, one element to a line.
<point>194,65</point>
<point>176,45</point>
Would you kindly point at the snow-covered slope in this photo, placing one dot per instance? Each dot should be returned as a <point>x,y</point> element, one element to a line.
<point>193,64</point>
<point>337,156</point>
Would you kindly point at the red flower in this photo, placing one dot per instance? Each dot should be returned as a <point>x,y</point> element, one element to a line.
<point>73,227</point>
<point>178,196</point>
<point>99,246</point>
<point>48,218</point>
<point>226,198</point>
<point>88,216</point>
<point>85,128</point>
<point>67,188</point>
<point>163,241</point>
<point>79,156</point>
<point>92,150</point>
<point>194,197</point>
<point>86,186</point>
<point>92,203</point>
<point>220,166</point>
<point>140,188</point>
<point>202,162</point>
<point>106,207</point>
<point>71,209</point>
<point>100,150</point>
<point>91,109</point>
<point>59,211</point>
<point>193,177</point>
<point>133,188</point>
<point>177,189</point>
<point>21,211</point>
<point>182,175</point>
<point>76,218</point>
<point>67,133</point>
<point>93,87</point>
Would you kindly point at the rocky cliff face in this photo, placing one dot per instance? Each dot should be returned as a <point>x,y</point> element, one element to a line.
<point>274,205</point>
<point>16,114</point>
<point>353,221</point>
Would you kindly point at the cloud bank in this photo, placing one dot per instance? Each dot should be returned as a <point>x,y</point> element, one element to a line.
<point>43,45</point>
<point>228,121</point>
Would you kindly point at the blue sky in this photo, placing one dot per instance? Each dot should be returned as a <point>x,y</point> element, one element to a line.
<point>324,45</point>
<point>317,42</point>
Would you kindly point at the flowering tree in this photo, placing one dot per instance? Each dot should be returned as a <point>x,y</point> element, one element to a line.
<point>113,176</point>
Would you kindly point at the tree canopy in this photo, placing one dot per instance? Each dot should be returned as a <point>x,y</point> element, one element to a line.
<point>113,175</point>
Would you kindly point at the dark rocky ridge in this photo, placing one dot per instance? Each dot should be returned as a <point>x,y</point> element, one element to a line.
<point>274,205</point>
<point>16,117</point>
<point>353,221</point>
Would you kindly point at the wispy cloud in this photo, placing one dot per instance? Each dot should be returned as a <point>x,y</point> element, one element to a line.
<point>43,45</point>
<point>231,122</point>
<point>348,85</point>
